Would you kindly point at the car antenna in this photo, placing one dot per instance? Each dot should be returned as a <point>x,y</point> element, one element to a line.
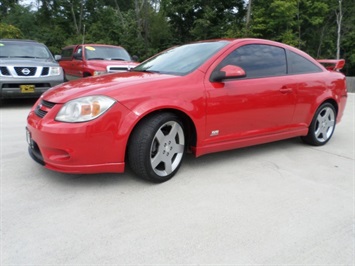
<point>83,34</point>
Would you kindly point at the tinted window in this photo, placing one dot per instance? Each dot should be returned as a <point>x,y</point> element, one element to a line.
<point>67,53</point>
<point>300,65</point>
<point>79,50</point>
<point>258,60</point>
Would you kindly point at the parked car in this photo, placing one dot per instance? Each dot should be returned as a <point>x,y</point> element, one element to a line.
<point>202,97</point>
<point>27,69</point>
<point>84,60</point>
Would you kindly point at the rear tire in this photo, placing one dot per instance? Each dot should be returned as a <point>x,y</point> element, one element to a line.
<point>322,126</point>
<point>157,147</point>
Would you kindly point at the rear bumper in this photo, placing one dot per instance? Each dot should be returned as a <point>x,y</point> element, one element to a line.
<point>341,105</point>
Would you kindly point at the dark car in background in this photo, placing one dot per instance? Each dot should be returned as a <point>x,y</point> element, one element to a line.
<point>27,69</point>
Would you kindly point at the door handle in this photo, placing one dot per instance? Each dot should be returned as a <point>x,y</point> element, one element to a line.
<point>286,90</point>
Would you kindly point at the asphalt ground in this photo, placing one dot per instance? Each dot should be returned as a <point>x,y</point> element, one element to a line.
<point>274,204</point>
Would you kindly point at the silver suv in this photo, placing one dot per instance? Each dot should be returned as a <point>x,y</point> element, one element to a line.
<point>27,69</point>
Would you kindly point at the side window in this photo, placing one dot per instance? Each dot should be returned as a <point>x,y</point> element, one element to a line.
<point>66,54</point>
<point>80,50</point>
<point>258,60</point>
<point>78,54</point>
<point>300,65</point>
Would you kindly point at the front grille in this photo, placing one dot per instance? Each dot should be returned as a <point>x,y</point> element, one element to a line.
<point>39,112</point>
<point>48,104</point>
<point>117,69</point>
<point>45,71</point>
<point>43,108</point>
<point>4,71</point>
<point>25,71</point>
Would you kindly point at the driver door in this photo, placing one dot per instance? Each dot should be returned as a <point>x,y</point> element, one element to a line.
<point>262,103</point>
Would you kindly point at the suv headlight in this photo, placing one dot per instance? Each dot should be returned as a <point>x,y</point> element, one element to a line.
<point>54,71</point>
<point>84,109</point>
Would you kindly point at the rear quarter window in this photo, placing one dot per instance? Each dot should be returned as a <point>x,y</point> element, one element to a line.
<point>301,65</point>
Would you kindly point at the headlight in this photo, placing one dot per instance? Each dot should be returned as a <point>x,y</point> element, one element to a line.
<point>84,109</point>
<point>96,72</point>
<point>54,71</point>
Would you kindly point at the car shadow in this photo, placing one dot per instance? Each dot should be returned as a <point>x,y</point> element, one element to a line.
<point>129,179</point>
<point>17,103</point>
<point>231,155</point>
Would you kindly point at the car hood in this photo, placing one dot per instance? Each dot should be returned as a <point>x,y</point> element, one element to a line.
<point>104,63</point>
<point>28,62</point>
<point>118,86</point>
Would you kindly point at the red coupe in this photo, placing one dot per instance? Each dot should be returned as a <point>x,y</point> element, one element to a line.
<point>202,97</point>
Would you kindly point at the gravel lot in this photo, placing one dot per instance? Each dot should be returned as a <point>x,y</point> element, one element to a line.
<point>279,203</point>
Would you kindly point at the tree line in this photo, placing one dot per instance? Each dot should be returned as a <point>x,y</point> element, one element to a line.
<point>322,28</point>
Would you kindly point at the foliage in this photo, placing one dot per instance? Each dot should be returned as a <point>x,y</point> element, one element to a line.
<point>9,32</point>
<point>145,27</point>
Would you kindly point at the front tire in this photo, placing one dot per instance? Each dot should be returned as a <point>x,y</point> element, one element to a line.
<point>322,126</point>
<point>157,147</point>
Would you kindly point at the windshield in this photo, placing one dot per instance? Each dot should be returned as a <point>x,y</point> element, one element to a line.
<point>106,53</point>
<point>181,60</point>
<point>23,50</point>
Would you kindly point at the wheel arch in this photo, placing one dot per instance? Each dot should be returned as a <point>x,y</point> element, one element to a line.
<point>332,102</point>
<point>188,123</point>
<point>318,104</point>
<point>86,74</point>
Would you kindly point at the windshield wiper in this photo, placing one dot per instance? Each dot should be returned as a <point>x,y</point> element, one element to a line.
<point>118,59</point>
<point>145,70</point>
<point>22,56</point>
<point>96,58</point>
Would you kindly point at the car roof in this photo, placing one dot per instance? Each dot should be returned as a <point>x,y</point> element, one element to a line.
<point>260,41</point>
<point>18,40</point>
<point>92,44</point>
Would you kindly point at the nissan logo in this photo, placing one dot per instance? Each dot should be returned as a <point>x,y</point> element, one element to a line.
<point>25,71</point>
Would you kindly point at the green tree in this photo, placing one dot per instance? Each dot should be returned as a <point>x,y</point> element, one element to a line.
<point>9,31</point>
<point>275,20</point>
<point>23,19</point>
<point>5,7</point>
<point>145,27</point>
<point>203,19</point>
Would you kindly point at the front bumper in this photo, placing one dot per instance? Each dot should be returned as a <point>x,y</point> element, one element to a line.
<point>96,146</point>
<point>14,88</point>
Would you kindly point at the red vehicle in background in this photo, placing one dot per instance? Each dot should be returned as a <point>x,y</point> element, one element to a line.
<point>84,60</point>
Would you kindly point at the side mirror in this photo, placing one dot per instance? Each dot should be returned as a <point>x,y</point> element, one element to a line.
<point>135,58</point>
<point>57,57</point>
<point>228,72</point>
<point>77,56</point>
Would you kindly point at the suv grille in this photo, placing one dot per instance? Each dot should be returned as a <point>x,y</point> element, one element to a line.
<point>4,71</point>
<point>111,69</point>
<point>43,108</point>
<point>45,71</point>
<point>25,71</point>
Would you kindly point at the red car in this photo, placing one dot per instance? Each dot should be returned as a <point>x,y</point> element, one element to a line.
<point>85,60</point>
<point>203,97</point>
